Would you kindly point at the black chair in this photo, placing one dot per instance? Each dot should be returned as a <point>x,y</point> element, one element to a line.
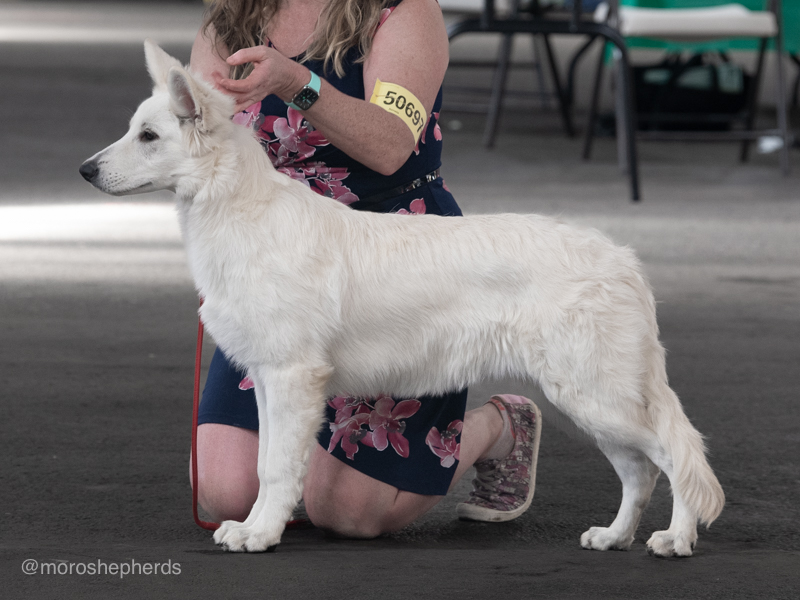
<point>501,66</point>
<point>537,21</point>
<point>714,23</point>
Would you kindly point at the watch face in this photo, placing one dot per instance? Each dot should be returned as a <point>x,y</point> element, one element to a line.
<point>305,98</point>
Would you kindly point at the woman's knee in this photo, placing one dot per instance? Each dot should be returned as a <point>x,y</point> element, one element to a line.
<point>345,502</point>
<point>227,458</point>
<point>341,515</point>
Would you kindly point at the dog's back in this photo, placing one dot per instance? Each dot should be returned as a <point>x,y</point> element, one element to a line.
<point>423,296</point>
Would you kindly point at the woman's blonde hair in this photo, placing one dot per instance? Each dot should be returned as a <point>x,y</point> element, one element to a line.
<point>342,25</point>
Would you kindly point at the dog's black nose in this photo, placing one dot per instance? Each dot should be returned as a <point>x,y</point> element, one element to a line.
<point>89,170</point>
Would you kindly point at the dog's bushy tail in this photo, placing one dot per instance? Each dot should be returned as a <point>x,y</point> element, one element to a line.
<point>692,478</point>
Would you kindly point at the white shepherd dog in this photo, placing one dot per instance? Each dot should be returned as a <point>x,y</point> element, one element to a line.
<point>312,298</point>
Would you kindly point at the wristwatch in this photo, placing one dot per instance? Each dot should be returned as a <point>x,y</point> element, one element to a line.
<point>305,98</point>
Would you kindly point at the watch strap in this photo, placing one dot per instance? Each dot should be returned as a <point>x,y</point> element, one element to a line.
<point>315,84</point>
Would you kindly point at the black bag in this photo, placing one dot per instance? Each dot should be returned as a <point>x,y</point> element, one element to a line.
<point>697,94</point>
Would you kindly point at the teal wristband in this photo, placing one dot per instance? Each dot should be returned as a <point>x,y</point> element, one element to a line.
<point>308,95</point>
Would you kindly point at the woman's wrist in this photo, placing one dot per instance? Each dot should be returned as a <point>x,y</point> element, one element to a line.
<point>297,78</point>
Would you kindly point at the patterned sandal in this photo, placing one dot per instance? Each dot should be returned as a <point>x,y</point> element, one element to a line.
<point>503,489</point>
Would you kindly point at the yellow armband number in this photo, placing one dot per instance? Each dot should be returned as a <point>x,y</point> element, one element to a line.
<point>399,101</point>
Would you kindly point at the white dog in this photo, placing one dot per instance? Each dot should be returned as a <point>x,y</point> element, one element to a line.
<point>313,300</point>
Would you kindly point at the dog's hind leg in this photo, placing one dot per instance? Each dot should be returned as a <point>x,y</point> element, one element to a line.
<point>616,420</point>
<point>605,403</point>
<point>680,453</point>
<point>681,537</point>
<point>638,475</point>
<point>294,409</point>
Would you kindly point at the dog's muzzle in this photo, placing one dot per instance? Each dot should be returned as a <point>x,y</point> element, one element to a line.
<point>89,170</point>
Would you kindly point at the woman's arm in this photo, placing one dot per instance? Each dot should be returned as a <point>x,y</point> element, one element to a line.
<point>208,58</point>
<point>410,50</point>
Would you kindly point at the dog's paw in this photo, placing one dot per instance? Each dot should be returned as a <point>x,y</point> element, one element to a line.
<point>666,544</point>
<point>222,531</point>
<point>603,538</point>
<point>237,537</point>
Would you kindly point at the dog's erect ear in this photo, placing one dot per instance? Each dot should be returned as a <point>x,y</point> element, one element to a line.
<point>193,99</point>
<point>184,95</point>
<point>158,63</point>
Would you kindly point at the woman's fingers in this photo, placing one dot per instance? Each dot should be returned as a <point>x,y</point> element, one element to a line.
<point>238,86</point>
<point>246,55</point>
<point>261,81</point>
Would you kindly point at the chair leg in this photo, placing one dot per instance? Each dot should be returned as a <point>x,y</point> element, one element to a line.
<point>796,86</point>
<point>630,127</point>
<point>569,89</point>
<point>592,121</point>
<point>563,103</point>
<point>498,89</point>
<point>544,102</point>
<point>780,103</point>
<point>626,112</point>
<point>752,99</point>
<point>620,110</point>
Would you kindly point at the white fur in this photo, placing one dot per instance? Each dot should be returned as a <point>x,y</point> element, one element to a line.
<point>315,299</point>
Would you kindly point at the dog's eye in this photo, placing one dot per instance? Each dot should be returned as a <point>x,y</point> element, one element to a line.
<point>147,136</point>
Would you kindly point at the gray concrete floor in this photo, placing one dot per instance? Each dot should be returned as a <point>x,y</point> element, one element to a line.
<point>97,314</point>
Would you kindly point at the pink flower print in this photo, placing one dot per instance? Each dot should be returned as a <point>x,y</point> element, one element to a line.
<point>296,137</point>
<point>246,384</point>
<point>327,181</point>
<point>335,191</point>
<point>387,424</point>
<point>249,117</point>
<point>279,155</point>
<point>417,208</point>
<point>437,131</point>
<point>324,180</point>
<point>296,174</point>
<point>290,142</point>
<point>444,444</point>
<point>347,427</point>
<point>341,403</point>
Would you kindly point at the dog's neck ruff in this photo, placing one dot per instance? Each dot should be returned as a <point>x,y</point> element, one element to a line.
<point>218,172</point>
<point>224,206</point>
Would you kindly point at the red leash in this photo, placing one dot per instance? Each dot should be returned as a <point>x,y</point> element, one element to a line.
<point>196,404</point>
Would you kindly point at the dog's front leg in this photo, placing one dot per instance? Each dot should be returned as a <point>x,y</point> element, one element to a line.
<point>227,527</point>
<point>293,403</point>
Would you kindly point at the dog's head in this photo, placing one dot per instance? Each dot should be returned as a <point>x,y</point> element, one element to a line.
<point>170,133</point>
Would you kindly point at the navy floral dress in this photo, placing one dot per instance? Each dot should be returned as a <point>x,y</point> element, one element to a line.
<point>411,443</point>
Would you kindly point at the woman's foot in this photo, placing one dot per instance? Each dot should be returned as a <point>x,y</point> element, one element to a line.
<point>503,487</point>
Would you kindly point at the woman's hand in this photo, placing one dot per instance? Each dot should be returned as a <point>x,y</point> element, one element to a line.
<point>272,73</point>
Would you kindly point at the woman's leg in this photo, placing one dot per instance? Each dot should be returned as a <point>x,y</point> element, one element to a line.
<point>338,498</point>
<point>346,502</point>
<point>226,468</point>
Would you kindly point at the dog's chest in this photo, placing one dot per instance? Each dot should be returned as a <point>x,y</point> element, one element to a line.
<point>260,289</point>
<point>232,274</point>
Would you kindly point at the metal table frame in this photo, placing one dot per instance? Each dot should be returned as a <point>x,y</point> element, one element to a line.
<point>572,24</point>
